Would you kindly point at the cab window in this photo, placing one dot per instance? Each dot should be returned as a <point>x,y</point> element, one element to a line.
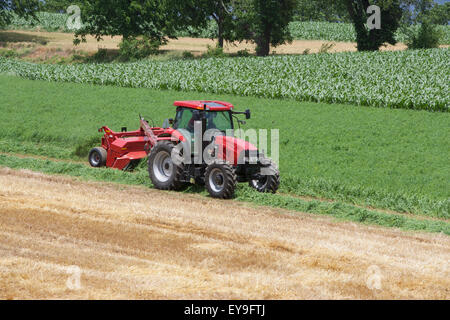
<point>220,120</point>
<point>185,119</point>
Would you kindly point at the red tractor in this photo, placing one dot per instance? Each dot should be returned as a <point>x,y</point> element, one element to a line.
<point>175,158</point>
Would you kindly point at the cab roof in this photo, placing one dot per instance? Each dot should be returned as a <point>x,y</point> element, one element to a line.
<point>209,105</point>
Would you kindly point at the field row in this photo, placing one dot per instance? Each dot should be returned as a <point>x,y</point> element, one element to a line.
<point>299,30</point>
<point>345,32</point>
<point>46,22</point>
<point>408,79</point>
<point>391,159</point>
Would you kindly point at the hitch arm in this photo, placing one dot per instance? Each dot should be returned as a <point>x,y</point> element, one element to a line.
<point>152,139</point>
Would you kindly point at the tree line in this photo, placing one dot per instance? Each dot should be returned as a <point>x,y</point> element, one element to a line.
<point>263,22</point>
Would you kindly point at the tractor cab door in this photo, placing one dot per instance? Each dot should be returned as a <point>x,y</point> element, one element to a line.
<point>184,124</point>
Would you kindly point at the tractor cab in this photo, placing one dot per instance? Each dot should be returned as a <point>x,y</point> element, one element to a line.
<point>220,120</point>
<point>216,115</point>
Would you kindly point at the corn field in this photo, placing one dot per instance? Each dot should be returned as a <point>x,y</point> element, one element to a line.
<point>404,79</point>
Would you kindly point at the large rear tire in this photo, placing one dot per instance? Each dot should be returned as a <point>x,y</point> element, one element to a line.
<point>97,157</point>
<point>268,183</point>
<point>220,180</point>
<point>164,174</point>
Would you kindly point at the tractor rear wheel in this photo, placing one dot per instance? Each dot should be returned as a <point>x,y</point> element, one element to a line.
<point>270,182</point>
<point>220,180</point>
<point>97,157</point>
<point>164,174</point>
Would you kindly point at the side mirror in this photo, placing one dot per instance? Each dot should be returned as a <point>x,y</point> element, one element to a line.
<point>247,114</point>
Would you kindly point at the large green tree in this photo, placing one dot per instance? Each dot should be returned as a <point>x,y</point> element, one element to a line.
<point>371,39</point>
<point>264,22</point>
<point>426,14</point>
<point>157,20</point>
<point>221,11</point>
<point>321,10</point>
<point>440,13</point>
<point>58,5</point>
<point>24,8</point>
<point>415,11</point>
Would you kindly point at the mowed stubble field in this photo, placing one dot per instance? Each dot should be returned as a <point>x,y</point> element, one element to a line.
<point>165,245</point>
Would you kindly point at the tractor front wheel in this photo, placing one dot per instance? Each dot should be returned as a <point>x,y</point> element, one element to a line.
<point>97,157</point>
<point>220,180</point>
<point>269,181</point>
<point>165,174</point>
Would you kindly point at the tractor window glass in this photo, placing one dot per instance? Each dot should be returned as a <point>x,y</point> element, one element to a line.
<point>220,120</point>
<point>186,118</point>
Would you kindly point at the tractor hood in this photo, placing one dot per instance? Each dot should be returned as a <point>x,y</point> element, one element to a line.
<point>232,149</point>
<point>228,148</point>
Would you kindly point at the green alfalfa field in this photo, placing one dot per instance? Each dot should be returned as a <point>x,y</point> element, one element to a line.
<point>373,165</point>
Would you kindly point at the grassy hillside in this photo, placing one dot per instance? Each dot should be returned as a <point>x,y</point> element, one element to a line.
<point>394,159</point>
